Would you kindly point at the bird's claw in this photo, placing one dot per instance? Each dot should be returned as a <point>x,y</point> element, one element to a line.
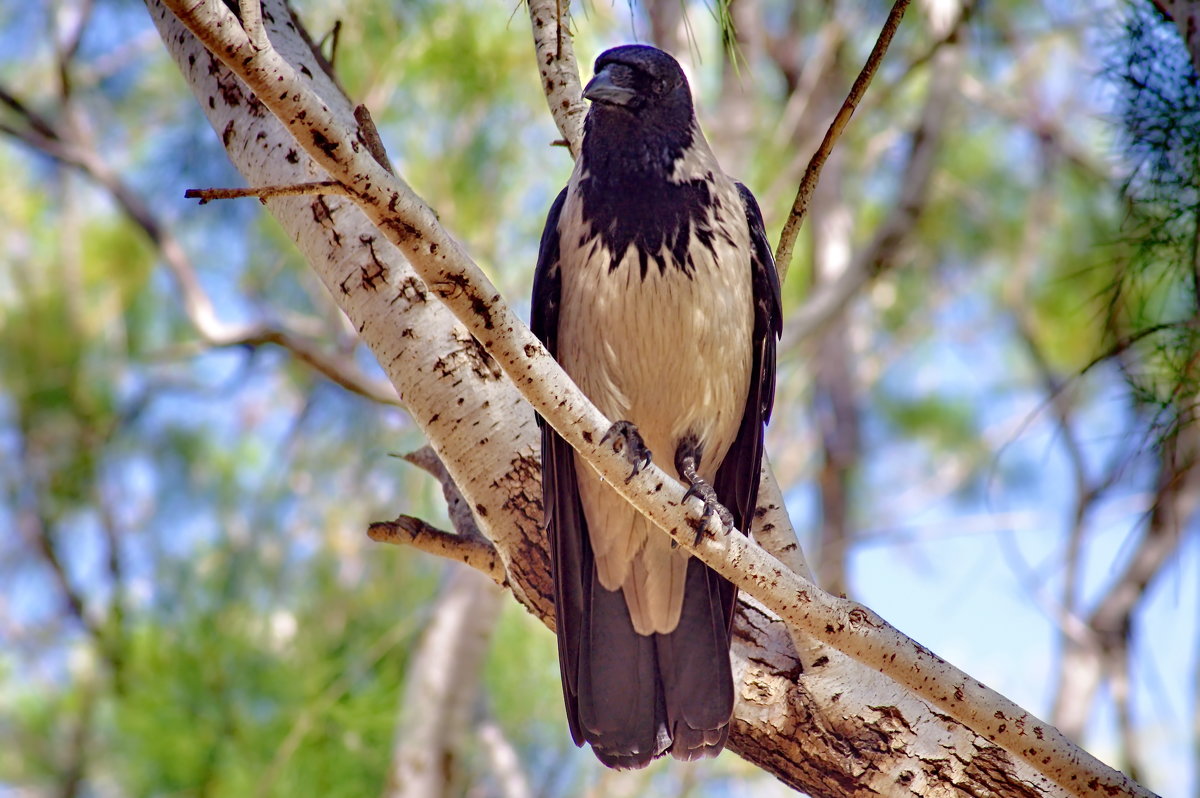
<point>701,490</point>
<point>711,507</point>
<point>629,442</point>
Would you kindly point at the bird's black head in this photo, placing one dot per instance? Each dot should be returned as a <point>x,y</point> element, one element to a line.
<point>641,120</point>
<point>642,81</point>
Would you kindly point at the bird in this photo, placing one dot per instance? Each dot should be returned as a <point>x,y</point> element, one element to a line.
<point>656,291</point>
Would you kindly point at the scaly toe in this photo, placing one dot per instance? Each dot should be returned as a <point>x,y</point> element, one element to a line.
<point>628,441</point>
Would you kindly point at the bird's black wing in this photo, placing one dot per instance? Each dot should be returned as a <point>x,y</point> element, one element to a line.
<point>737,478</point>
<point>563,515</point>
<point>547,282</point>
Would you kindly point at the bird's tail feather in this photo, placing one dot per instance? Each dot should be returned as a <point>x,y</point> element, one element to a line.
<point>641,696</point>
<point>693,663</point>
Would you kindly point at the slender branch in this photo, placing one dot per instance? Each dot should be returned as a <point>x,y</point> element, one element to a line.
<point>504,760</point>
<point>884,247</point>
<point>457,281</point>
<point>252,22</point>
<point>791,228</point>
<point>477,552</point>
<point>428,461</point>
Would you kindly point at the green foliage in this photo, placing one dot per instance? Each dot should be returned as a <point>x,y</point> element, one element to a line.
<point>1155,297</point>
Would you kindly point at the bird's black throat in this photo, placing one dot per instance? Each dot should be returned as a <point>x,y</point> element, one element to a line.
<point>630,199</point>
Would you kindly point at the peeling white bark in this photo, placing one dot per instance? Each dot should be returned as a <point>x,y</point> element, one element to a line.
<point>833,726</point>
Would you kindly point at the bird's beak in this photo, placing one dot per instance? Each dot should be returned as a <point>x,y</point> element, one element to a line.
<point>601,89</point>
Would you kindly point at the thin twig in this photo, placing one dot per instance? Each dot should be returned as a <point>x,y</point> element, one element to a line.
<point>252,21</point>
<point>808,184</point>
<point>457,508</point>
<point>370,137</point>
<point>477,552</point>
<point>885,246</point>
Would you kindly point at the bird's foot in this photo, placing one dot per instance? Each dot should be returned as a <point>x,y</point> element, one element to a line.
<point>628,441</point>
<point>687,460</point>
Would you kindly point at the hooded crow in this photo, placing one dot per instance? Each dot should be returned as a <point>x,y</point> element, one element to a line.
<point>656,290</point>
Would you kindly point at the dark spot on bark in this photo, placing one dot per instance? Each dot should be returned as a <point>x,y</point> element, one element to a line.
<point>404,231</point>
<point>407,332</point>
<point>820,661</point>
<point>481,510</point>
<point>470,353</point>
<point>413,290</point>
<point>433,419</point>
<point>304,71</point>
<point>458,283</point>
<point>433,247</point>
<point>530,350</point>
<point>228,133</point>
<point>323,143</point>
<point>587,436</point>
<point>292,156</point>
<point>323,216</point>
<point>374,272</point>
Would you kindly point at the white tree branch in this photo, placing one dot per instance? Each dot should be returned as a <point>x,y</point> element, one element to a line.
<point>442,264</point>
<point>551,21</point>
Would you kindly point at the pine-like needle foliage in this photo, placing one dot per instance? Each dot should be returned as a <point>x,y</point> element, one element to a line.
<point>1155,300</point>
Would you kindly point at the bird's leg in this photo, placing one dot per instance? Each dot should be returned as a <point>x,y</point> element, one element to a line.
<point>629,442</point>
<point>687,460</point>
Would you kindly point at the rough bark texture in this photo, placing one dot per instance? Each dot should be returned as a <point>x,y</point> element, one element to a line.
<point>828,724</point>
